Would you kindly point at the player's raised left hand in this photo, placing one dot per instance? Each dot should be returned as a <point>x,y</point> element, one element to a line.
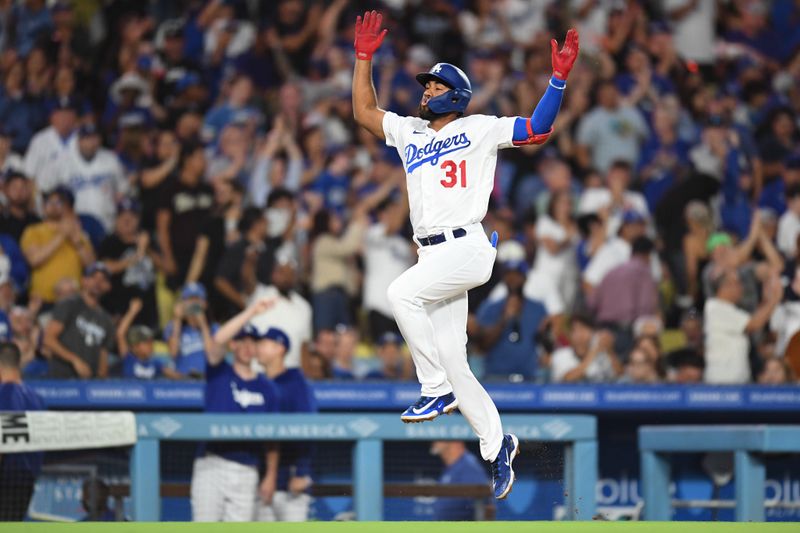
<point>368,34</point>
<point>564,59</point>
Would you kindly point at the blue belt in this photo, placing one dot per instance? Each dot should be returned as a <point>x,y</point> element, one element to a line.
<point>440,237</point>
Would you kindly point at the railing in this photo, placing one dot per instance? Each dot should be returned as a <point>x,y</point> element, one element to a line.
<point>578,433</point>
<point>748,444</point>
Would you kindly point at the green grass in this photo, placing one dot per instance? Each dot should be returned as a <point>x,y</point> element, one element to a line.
<point>408,527</point>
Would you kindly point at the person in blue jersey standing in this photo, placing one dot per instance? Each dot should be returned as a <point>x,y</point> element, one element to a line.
<point>18,471</point>
<point>292,501</point>
<point>461,468</point>
<point>225,480</point>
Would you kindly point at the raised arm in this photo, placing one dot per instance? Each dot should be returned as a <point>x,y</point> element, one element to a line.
<point>230,328</point>
<point>537,128</point>
<point>134,307</point>
<point>365,103</point>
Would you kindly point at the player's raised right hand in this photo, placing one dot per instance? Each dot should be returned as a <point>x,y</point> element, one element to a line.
<point>564,59</point>
<point>368,34</point>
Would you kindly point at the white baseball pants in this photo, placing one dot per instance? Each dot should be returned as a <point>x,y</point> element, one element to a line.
<point>223,490</point>
<point>285,507</point>
<point>429,301</point>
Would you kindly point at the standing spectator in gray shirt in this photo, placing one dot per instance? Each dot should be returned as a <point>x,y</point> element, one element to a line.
<point>611,131</point>
<point>81,333</point>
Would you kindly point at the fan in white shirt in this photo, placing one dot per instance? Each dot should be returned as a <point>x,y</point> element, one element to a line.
<point>789,223</point>
<point>95,176</point>
<point>557,235</point>
<point>50,145</point>
<point>290,313</point>
<point>616,198</point>
<point>617,250</point>
<point>727,327</point>
<point>785,320</point>
<point>387,254</point>
<point>589,358</point>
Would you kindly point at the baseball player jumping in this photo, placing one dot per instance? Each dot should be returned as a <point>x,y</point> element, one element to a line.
<point>450,165</point>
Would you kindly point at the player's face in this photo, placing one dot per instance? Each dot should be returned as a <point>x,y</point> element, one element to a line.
<point>432,90</point>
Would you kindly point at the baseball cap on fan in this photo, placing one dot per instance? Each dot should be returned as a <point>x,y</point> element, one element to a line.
<point>516,265</point>
<point>94,268</point>
<point>631,216</point>
<point>249,331</point>
<point>88,130</point>
<point>193,290</point>
<point>139,334</point>
<point>277,335</point>
<point>390,337</point>
<point>128,204</point>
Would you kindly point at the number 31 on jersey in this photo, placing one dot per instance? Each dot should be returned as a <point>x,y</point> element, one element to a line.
<point>454,174</point>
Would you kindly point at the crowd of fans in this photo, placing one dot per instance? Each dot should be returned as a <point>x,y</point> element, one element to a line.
<point>166,163</point>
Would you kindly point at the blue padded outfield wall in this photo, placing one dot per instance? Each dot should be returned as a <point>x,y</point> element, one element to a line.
<point>333,396</point>
<point>537,495</point>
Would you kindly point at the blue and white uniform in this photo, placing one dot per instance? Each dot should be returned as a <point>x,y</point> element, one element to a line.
<point>18,471</point>
<point>295,458</point>
<point>225,476</point>
<point>450,175</point>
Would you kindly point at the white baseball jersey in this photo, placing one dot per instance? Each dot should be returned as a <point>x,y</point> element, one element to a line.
<point>44,152</point>
<point>450,172</point>
<point>97,184</point>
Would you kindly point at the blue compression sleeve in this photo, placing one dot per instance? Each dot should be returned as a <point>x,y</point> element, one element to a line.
<point>545,113</point>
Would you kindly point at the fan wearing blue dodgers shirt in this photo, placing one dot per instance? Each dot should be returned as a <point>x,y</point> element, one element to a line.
<point>225,474</point>
<point>136,343</point>
<point>189,335</point>
<point>18,471</point>
<point>291,501</point>
<point>450,165</point>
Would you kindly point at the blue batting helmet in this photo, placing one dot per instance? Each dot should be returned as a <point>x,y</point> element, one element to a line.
<point>457,98</point>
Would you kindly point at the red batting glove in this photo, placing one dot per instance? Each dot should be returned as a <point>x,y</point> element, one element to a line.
<point>564,59</point>
<point>368,34</point>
